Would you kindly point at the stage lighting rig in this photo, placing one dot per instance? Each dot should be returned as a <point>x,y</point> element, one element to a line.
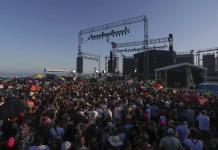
<point>107,35</point>
<point>159,44</point>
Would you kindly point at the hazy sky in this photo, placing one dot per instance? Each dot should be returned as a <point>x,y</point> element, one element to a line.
<point>39,33</point>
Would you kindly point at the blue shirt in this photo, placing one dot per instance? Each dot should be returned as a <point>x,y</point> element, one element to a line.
<point>57,133</point>
<point>194,144</point>
<point>154,111</point>
<point>203,122</point>
<point>182,131</point>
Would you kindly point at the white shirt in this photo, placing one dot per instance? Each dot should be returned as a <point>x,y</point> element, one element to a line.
<point>100,112</point>
<point>108,113</point>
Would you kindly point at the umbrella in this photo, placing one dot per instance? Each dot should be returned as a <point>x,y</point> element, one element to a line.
<point>38,76</point>
<point>157,86</point>
<point>62,78</point>
<point>34,88</point>
<point>12,108</point>
<point>195,99</point>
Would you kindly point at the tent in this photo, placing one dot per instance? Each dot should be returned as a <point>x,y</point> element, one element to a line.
<point>157,86</point>
<point>195,99</point>
<point>38,76</point>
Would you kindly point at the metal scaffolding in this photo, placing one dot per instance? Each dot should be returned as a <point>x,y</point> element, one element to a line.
<point>112,25</point>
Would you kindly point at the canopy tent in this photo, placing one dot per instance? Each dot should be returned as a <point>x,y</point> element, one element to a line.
<point>182,75</point>
<point>211,87</point>
<point>195,99</point>
<point>52,72</point>
<point>157,86</point>
<point>38,76</point>
<point>49,69</point>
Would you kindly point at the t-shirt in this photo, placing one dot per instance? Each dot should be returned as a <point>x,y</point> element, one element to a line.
<point>203,122</point>
<point>117,112</point>
<point>57,133</point>
<point>41,147</point>
<point>154,111</point>
<point>147,113</point>
<point>100,112</point>
<point>190,114</point>
<point>108,113</point>
<point>170,143</point>
<point>194,144</point>
<point>182,131</point>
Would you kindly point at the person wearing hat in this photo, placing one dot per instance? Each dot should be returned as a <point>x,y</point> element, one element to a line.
<point>169,142</point>
<point>66,145</point>
<point>115,142</point>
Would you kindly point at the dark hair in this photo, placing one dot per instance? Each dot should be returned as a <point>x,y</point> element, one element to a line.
<point>194,133</point>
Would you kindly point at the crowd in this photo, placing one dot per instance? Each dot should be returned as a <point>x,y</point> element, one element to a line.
<point>79,115</point>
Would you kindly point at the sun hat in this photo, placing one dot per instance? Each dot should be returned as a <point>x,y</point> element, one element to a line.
<point>31,94</point>
<point>170,131</point>
<point>115,141</point>
<point>66,145</point>
<point>93,115</point>
<point>43,147</point>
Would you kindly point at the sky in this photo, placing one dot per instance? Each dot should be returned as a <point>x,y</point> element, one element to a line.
<point>44,33</point>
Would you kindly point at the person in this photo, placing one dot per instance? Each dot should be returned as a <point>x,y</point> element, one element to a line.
<point>66,145</point>
<point>193,142</point>
<point>114,143</point>
<point>190,115</point>
<point>95,112</point>
<point>154,112</point>
<point>204,127</point>
<point>203,121</point>
<point>169,142</point>
<point>214,142</point>
<point>80,142</point>
<point>182,131</point>
<point>37,145</point>
<point>56,133</point>
<point>147,113</point>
